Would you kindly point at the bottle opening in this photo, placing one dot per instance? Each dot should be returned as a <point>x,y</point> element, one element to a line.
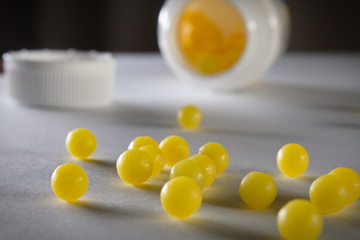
<point>211,35</point>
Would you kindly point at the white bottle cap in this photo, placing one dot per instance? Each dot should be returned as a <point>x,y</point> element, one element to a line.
<point>59,78</point>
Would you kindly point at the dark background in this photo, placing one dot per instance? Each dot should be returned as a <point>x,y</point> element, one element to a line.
<point>130,25</point>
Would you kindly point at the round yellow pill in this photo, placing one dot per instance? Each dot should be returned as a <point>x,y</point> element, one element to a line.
<point>189,168</point>
<point>208,166</point>
<point>69,182</point>
<point>174,148</point>
<point>350,178</point>
<point>181,197</point>
<point>328,194</point>
<point>299,220</point>
<point>189,117</point>
<point>217,153</point>
<point>258,190</point>
<point>141,141</point>
<point>80,143</point>
<point>157,156</point>
<point>292,160</point>
<point>134,166</point>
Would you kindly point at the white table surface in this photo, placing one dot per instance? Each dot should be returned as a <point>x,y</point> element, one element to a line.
<point>311,99</point>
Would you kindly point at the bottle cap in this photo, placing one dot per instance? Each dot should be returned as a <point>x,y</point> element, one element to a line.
<point>59,78</point>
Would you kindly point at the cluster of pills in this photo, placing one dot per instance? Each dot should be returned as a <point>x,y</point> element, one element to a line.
<point>332,192</point>
<point>299,218</point>
<point>181,195</point>
<point>302,219</point>
<point>142,160</point>
<point>258,190</point>
<point>70,181</point>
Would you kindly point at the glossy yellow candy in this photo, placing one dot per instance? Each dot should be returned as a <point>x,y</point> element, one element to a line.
<point>292,160</point>
<point>134,166</point>
<point>328,194</point>
<point>174,148</point>
<point>189,117</point>
<point>157,157</point>
<point>217,153</point>
<point>258,190</point>
<point>181,197</point>
<point>80,143</point>
<point>350,178</point>
<point>208,166</point>
<point>69,182</point>
<point>299,220</point>
<point>142,141</point>
<point>189,168</point>
<point>211,35</point>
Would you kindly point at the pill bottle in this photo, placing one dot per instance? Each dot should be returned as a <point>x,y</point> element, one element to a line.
<point>222,44</point>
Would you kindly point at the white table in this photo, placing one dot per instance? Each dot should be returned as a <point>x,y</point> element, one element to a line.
<point>311,99</point>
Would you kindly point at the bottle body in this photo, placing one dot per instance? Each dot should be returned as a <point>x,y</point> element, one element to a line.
<point>222,44</point>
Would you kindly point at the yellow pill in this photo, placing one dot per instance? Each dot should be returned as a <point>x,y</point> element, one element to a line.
<point>181,197</point>
<point>69,182</point>
<point>217,153</point>
<point>189,117</point>
<point>299,220</point>
<point>328,194</point>
<point>174,148</point>
<point>350,178</point>
<point>157,157</point>
<point>80,143</point>
<point>189,168</point>
<point>134,166</point>
<point>292,160</point>
<point>258,190</point>
<point>141,141</point>
<point>208,166</point>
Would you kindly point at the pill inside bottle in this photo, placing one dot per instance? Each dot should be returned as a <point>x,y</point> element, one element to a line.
<point>222,44</point>
<point>211,35</point>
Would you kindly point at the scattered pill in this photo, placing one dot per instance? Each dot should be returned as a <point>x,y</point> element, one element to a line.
<point>134,166</point>
<point>329,194</point>
<point>80,143</point>
<point>292,160</point>
<point>181,197</point>
<point>69,182</point>
<point>217,153</point>
<point>258,190</point>
<point>141,141</point>
<point>189,117</point>
<point>189,168</point>
<point>299,219</point>
<point>174,148</point>
<point>208,165</point>
<point>350,178</point>
<point>157,156</point>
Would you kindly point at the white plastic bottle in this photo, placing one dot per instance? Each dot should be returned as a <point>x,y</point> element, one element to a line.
<point>222,44</point>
